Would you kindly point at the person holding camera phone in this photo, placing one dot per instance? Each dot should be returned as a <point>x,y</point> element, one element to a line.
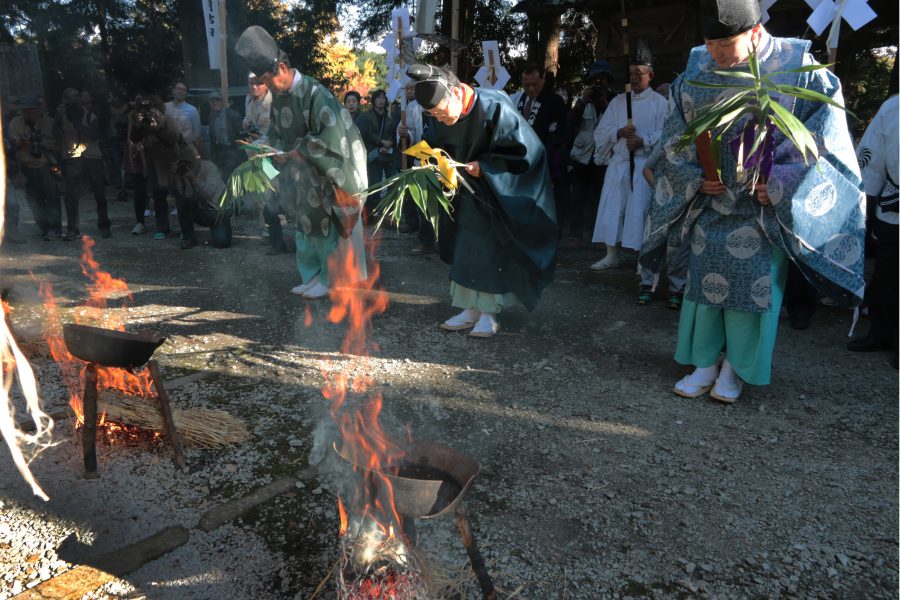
<point>198,188</point>
<point>77,129</point>
<point>32,134</point>
<point>156,136</point>
<point>588,167</point>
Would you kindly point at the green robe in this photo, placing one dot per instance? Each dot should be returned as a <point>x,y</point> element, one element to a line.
<point>309,119</point>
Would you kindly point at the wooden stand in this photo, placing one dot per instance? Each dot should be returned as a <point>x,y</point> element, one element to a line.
<point>89,409</point>
<point>166,412</point>
<point>475,558</point>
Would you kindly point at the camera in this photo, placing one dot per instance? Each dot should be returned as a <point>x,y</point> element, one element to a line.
<point>251,133</point>
<point>35,140</point>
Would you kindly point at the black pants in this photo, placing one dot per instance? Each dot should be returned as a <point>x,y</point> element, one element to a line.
<point>273,220</point>
<point>139,186</point>
<point>799,294</point>
<point>883,289</point>
<point>581,212</point>
<point>91,170</point>
<point>40,190</point>
<point>218,221</point>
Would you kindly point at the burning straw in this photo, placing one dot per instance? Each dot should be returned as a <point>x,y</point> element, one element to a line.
<point>200,427</point>
<point>15,366</point>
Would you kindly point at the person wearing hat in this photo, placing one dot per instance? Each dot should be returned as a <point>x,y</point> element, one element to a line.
<point>32,134</point>
<point>198,188</point>
<point>501,241</point>
<point>588,168</point>
<point>625,196</point>
<point>741,239</point>
<point>77,130</point>
<point>224,130</point>
<point>322,172</point>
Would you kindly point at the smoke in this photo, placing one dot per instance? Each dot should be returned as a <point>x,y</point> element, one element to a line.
<point>15,367</point>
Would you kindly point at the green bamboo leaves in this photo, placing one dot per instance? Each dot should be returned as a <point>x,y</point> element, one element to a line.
<point>250,177</point>
<point>422,184</point>
<point>755,96</point>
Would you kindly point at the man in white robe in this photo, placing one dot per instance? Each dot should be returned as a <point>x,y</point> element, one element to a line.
<point>626,195</point>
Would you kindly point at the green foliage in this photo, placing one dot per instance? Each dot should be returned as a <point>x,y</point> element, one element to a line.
<point>753,98</point>
<point>422,185</point>
<point>247,178</point>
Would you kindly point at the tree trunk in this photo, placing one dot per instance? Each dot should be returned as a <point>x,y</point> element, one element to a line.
<point>550,25</point>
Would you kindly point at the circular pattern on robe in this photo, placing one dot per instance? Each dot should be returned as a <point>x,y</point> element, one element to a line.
<point>687,107</point>
<point>347,118</point>
<point>761,292</point>
<point>286,117</point>
<point>664,191</point>
<point>715,288</point>
<point>698,240</point>
<point>305,224</point>
<point>327,117</point>
<point>359,152</point>
<point>692,188</point>
<point>360,179</point>
<point>313,198</point>
<point>337,176</point>
<point>724,203</point>
<point>820,199</point>
<point>775,189</point>
<point>844,249</point>
<point>345,147</point>
<point>315,147</point>
<point>325,225</point>
<point>743,242</point>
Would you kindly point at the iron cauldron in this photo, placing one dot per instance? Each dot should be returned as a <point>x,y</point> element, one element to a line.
<point>110,348</point>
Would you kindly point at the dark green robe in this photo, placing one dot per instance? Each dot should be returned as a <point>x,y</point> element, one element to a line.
<point>503,238</point>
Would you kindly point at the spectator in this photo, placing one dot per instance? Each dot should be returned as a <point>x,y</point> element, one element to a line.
<point>34,143</point>
<point>587,169</point>
<point>15,190</point>
<point>626,195</point>
<point>545,111</point>
<point>134,165</point>
<point>224,129</point>
<point>877,154</point>
<point>186,115</point>
<point>78,131</point>
<point>378,132</point>
<point>198,188</point>
<point>257,108</point>
<point>157,136</point>
<point>352,100</point>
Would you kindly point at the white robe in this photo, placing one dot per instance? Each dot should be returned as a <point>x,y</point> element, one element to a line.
<point>623,206</point>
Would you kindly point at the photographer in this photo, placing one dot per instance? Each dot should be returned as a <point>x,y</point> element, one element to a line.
<point>198,187</point>
<point>156,135</point>
<point>32,134</point>
<point>78,131</point>
<point>588,169</point>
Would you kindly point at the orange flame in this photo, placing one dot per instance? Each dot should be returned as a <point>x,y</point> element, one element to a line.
<point>342,513</point>
<point>364,443</point>
<point>101,286</point>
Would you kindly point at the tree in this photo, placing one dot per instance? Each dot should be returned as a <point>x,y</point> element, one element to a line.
<point>342,70</point>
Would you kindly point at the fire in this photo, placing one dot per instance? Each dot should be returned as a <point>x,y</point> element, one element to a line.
<point>376,558</point>
<point>102,285</point>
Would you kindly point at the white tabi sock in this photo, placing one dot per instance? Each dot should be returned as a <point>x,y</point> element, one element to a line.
<point>466,317</point>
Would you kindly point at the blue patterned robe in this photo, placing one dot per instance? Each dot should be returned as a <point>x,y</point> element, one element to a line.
<point>816,214</point>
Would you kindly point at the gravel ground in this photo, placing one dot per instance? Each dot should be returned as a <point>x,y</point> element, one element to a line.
<point>596,481</point>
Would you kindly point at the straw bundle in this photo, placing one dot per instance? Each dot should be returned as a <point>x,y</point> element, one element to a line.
<point>200,427</point>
